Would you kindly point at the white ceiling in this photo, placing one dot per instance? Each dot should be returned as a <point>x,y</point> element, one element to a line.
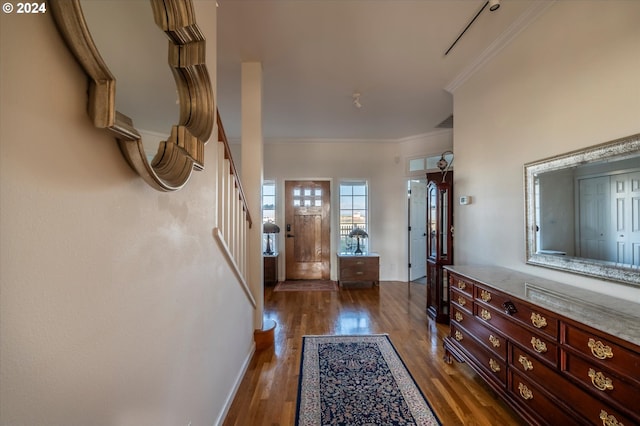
<point>316,53</point>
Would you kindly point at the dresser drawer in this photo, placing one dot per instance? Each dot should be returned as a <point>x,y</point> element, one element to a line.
<point>588,409</point>
<point>540,345</point>
<point>494,367</point>
<point>462,284</point>
<point>594,410</point>
<point>539,319</point>
<point>359,262</point>
<point>461,316</point>
<point>529,395</point>
<point>492,340</point>
<point>603,352</point>
<point>462,301</point>
<point>602,382</point>
<point>531,367</point>
<point>356,268</point>
<point>358,274</point>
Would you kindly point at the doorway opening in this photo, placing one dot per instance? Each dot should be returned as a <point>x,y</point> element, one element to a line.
<point>417,239</point>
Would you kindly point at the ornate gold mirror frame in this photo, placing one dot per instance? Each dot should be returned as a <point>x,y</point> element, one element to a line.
<point>612,153</point>
<point>183,151</point>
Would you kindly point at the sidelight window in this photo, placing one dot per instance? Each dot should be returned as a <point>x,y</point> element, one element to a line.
<point>354,203</point>
<point>269,241</point>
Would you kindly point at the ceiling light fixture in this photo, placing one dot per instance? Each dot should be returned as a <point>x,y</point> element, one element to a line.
<point>356,100</point>
<point>493,5</point>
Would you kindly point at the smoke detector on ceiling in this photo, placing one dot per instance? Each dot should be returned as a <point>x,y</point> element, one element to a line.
<point>356,100</point>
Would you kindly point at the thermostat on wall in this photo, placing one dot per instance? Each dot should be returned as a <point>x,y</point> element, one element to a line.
<point>465,199</point>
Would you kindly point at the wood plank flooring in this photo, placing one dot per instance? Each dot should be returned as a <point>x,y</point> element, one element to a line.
<point>268,392</point>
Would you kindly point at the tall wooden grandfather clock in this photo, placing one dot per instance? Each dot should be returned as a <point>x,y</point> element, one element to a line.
<point>439,242</point>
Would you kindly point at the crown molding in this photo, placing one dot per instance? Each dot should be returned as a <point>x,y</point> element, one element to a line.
<point>524,20</point>
<point>315,140</point>
<point>423,136</point>
<point>411,138</point>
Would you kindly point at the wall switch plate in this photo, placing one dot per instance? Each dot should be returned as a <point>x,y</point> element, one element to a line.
<point>465,199</point>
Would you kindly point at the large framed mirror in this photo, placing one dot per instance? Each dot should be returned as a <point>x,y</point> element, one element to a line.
<point>583,211</point>
<point>170,55</point>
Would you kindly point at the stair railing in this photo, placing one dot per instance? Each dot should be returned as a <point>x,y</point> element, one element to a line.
<point>234,219</point>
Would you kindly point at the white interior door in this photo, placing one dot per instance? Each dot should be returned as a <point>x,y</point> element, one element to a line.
<point>625,189</point>
<point>594,231</point>
<point>417,229</point>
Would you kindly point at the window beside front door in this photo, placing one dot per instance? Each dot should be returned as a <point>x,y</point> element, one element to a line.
<point>354,202</point>
<point>269,240</point>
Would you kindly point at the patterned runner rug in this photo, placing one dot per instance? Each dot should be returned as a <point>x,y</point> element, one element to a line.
<point>306,285</point>
<point>357,380</point>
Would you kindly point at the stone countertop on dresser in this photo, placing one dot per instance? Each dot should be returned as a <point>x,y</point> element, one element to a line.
<point>618,317</point>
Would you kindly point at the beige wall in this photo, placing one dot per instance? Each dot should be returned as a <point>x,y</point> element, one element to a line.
<point>117,307</point>
<point>567,82</point>
<point>382,164</point>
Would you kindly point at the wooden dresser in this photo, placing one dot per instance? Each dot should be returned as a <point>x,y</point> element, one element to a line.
<point>270,277</point>
<point>557,354</point>
<point>359,268</point>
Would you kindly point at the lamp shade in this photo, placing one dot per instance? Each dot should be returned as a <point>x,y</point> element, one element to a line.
<point>270,228</point>
<point>358,232</point>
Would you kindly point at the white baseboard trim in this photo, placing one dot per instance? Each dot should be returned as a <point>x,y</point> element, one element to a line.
<point>236,385</point>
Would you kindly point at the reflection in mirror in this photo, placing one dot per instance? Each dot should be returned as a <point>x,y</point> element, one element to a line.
<point>583,211</point>
<point>182,151</point>
<point>145,89</point>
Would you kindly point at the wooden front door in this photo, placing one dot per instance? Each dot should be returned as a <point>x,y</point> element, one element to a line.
<point>307,230</point>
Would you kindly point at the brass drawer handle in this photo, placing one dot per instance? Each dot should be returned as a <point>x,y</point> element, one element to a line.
<point>494,341</point>
<point>359,272</point>
<point>600,381</point>
<point>485,296</point>
<point>538,345</point>
<point>609,419</point>
<point>525,392</point>
<point>461,301</point>
<point>459,316</point>
<point>485,315</point>
<point>360,262</point>
<point>526,363</point>
<point>458,336</point>
<point>600,350</point>
<point>538,320</point>
<point>462,285</point>
<point>493,365</point>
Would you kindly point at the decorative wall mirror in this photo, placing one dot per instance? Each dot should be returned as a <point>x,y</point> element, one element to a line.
<point>583,211</point>
<point>170,166</point>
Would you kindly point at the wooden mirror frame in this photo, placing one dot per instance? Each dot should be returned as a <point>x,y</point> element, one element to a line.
<point>617,149</point>
<point>183,151</point>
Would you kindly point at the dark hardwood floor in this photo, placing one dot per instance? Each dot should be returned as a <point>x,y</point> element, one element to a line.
<point>268,392</point>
